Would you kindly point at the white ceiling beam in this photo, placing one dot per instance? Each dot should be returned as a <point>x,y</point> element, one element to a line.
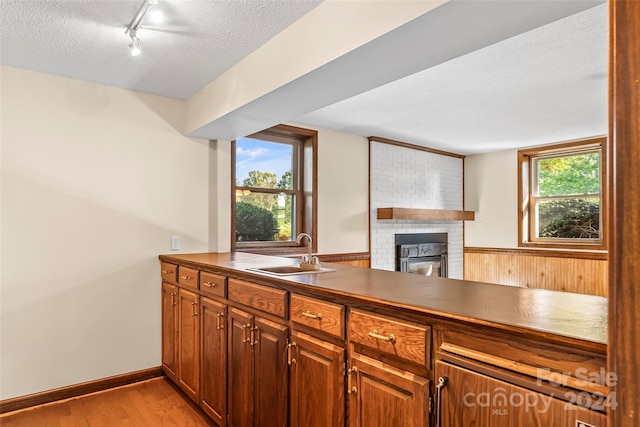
<point>235,105</point>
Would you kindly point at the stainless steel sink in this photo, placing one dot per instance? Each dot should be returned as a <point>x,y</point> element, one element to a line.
<point>288,270</point>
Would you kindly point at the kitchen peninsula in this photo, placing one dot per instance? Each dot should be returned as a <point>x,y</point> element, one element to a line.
<point>364,347</point>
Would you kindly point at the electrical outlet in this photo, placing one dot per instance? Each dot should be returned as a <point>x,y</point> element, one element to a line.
<point>175,243</point>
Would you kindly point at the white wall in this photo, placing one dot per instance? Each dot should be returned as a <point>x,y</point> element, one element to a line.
<point>94,180</point>
<point>343,193</point>
<point>408,178</point>
<point>491,190</point>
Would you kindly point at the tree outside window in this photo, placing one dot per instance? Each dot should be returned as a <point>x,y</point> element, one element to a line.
<point>561,193</point>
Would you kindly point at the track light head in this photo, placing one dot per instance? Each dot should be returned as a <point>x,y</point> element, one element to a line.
<point>132,29</point>
<point>136,47</point>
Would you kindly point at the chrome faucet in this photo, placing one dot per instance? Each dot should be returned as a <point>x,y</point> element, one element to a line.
<point>308,261</point>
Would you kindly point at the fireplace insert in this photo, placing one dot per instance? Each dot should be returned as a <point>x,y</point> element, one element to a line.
<point>422,253</point>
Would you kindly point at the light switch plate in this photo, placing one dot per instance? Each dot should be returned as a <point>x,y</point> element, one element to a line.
<point>175,243</point>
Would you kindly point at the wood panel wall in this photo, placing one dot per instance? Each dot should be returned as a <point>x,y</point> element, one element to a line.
<point>624,186</point>
<point>583,273</point>
<point>354,259</point>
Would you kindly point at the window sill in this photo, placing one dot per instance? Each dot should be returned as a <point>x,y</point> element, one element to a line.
<point>275,251</point>
<point>584,247</point>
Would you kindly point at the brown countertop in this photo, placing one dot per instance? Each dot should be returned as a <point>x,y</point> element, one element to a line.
<point>537,312</point>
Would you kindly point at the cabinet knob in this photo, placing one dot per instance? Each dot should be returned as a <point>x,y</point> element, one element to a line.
<point>209,284</point>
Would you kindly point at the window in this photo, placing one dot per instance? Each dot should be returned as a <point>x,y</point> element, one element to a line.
<point>561,193</point>
<point>273,187</point>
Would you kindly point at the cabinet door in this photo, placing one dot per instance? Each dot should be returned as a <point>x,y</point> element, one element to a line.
<point>317,382</point>
<point>469,398</point>
<point>213,367</point>
<point>188,339</point>
<point>271,374</point>
<point>382,395</point>
<point>170,330</point>
<point>241,384</point>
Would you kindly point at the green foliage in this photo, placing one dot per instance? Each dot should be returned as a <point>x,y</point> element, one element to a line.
<point>269,201</point>
<point>254,223</point>
<point>260,179</point>
<point>570,218</point>
<point>286,181</point>
<point>577,174</point>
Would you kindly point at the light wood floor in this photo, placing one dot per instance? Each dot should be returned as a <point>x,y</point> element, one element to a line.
<point>150,403</point>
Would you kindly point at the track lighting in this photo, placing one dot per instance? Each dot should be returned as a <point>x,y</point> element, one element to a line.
<point>132,29</point>
<point>135,45</point>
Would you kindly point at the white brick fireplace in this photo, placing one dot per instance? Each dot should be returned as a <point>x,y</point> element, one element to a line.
<point>409,178</point>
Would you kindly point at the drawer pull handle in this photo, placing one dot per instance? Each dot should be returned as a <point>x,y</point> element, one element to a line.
<point>194,309</point>
<point>186,277</point>
<point>253,338</point>
<point>210,284</point>
<point>219,321</point>
<point>290,359</point>
<point>442,383</point>
<point>351,389</point>
<point>311,315</point>
<point>391,338</point>
<point>244,332</point>
<point>167,271</point>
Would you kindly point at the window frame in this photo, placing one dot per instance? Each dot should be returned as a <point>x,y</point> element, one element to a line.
<point>304,143</point>
<point>527,194</point>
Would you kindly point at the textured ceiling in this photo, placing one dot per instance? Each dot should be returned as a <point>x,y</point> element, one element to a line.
<point>542,86</point>
<point>86,40</point>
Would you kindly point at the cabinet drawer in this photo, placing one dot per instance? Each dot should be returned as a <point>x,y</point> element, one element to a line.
<point>257,296</point>
<point>213,284</point>
<point>317,314</point>
<point>169,272</point>
<point>559,364</point>
<point>406,340</point>
<point>188,277</point>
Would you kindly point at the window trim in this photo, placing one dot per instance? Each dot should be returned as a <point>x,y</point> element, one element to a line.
<point>303,140</point>
<point>526,198</point>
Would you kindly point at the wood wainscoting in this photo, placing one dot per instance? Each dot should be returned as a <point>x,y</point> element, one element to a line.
<point>359,259</point>
<point>579,272</point>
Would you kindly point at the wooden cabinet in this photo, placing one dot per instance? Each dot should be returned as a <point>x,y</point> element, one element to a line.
<point>399,338</point>
<point>188,343</point>
<point>169,272</point>
<point>170,329</point>
<point>240,389</point>
<point>271,373</point>
<point>469,398</point>
<point>213,285</point>
<point>320,315</point>
<point>316,382</point>
<point>188,277</point>
<point>382,395</point>
<point>213,366</point>
<point>226,343</point>
<point>258,386</point>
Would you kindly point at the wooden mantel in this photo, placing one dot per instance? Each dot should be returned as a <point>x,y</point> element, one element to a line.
<point>425,214</point>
